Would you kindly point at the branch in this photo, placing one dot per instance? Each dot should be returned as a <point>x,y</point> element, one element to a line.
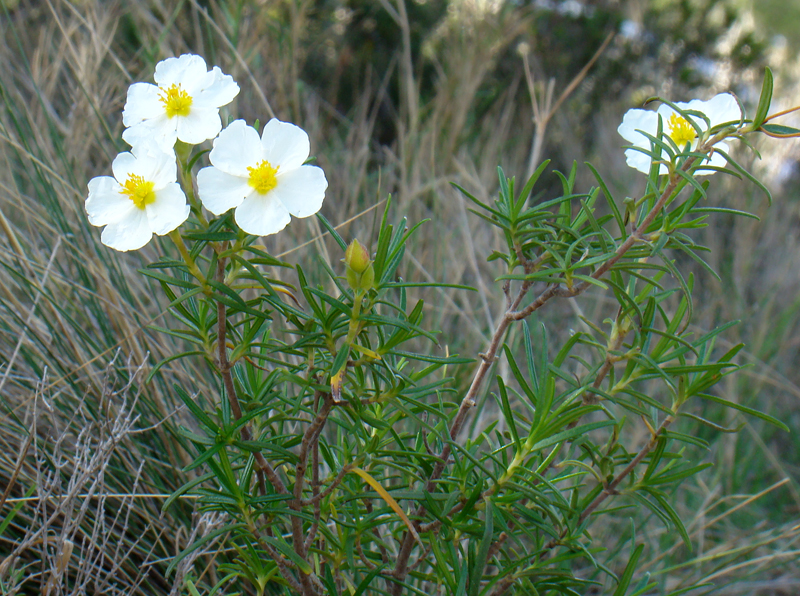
<point>513,314</point>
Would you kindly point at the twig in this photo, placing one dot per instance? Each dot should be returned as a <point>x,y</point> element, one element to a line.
<point>369,564</point>
<point>310,438</point>
<point>312,532</point>
<point>610,488</point>
<point>317,498</point>
<point>264,467</point>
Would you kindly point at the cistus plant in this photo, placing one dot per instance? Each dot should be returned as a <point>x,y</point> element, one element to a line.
<point>336,454</point>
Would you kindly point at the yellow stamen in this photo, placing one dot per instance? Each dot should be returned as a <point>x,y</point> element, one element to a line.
<point>680,130</point>
<point>176,101</point>
<point>263,177</point>
<point>138,190</point>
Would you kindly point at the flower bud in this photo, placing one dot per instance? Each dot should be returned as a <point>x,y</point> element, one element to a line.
<point>357,257</point>
<point>358,267</point>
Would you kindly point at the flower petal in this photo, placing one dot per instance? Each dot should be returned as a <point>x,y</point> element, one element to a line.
<point>160,130</point>
<point>720,109</point>
<point>123,164</point>
<point>636,120</point>
<point>141,104</point>
<point>302,190</point>
<point>154,164</point>
<point>639,161</point>
<point>129,233</point>
<point>220,191</point>
<point>105,203</point>
<point>261,215</point>
<point>214,90</point>
<point>632,122</point>
<point>168,211</point>
<point>183,70</point>
<point>285,144</point>
<point>236,148</point>
<point>199,125</point>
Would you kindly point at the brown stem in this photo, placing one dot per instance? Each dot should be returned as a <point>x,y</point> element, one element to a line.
<point>310,438</point>
<point>611,487</point>
<point>312,532</point>
<point>318,496</point>
<point>369,564</point>
<point>264,467</point>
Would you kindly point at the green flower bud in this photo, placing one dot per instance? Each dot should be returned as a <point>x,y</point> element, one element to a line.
<point>357,257</point>
<point>358,267</point>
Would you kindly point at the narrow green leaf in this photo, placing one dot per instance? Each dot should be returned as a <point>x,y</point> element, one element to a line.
<point>630,569</point>
<point>482,558</point>
<point>745,410</point>
<point>780,130</point>
<point>172,358</point>
<point>173,281</point>
<point>746,174</point>
<point>332,231</point>
<point>200,543</point>
<point>285,549</point>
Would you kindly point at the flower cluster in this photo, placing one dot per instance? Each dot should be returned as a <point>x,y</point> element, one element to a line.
<point>264,178</point>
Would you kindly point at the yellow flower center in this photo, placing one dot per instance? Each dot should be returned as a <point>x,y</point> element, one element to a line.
<point>176,101</point>
<point>138,190</point>
<point>680,130</point>
<point>263,177</point>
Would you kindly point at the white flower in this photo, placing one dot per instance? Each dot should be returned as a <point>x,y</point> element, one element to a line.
<point>142,199</point>
<point>722,108</point>
<point>263,178</point>
<point>183,104</point>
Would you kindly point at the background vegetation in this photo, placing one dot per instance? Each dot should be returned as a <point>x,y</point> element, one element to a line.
<point>399,98</point>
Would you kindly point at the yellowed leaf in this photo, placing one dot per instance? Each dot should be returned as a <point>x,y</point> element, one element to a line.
<point>389,500</point>
<point>336,384</point>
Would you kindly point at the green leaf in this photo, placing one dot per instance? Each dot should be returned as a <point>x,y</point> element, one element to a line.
<point>745,409</point>
<point>340,361</point>
<point>780,130</point>
<point>454,359</point>
<point>745,173</point>
<point>200,543</point>
<point>173,281</point>
<point>630,568</point>
<point>332,231</point>
<point>673,515</point>
<point>15,509</point>
<point>508,414</point>
<point>526,190</point>
<point>570,434</point>
<point>211,236</point>
<point>172,358</point>
<point>481,559</point>
<point>693,181</point>
<point>285,549</point>
<point>365,583</point>
<point>609,198</point>
<point>196,410</point>
<point>765,99</point>
<point>666,478</point>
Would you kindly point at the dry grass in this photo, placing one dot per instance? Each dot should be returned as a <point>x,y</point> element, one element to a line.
<point>93,450</point>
